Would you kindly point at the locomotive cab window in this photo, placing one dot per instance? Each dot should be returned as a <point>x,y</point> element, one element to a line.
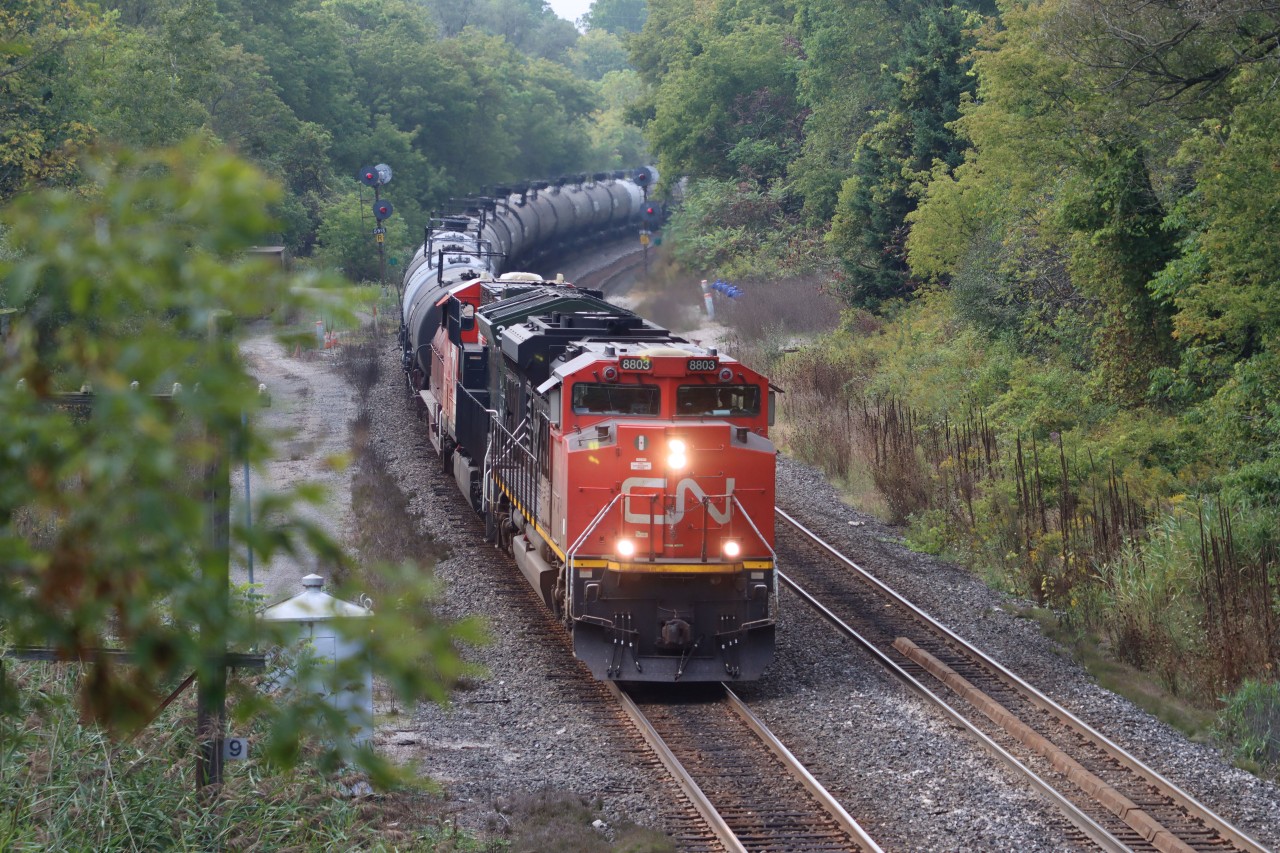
<point>599,398</point>
<point>718,400</point>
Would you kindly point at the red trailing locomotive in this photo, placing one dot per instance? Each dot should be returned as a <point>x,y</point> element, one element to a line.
<point>628,471</point>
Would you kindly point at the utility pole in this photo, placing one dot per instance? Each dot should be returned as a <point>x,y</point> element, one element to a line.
<point>211,690</point>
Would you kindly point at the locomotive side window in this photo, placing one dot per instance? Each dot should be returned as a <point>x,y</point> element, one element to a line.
<point>718,400</point>
<point>599,398</point>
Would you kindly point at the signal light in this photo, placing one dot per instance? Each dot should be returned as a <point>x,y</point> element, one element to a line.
<point>652,215</point>
<point>381,209</point>
<point>645,176</point>
<point>375,176</point>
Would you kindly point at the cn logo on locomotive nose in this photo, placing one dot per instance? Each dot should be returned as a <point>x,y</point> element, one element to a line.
<point>684,488</point>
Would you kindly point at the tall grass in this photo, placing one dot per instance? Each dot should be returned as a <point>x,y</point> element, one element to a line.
<point>1183,587</point>
<point>1250,723</point>
<point>68,786</point>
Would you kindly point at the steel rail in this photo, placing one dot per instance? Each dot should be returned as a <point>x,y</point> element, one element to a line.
<point>812,785</point>
<point>1083,822</point>
<point>697,798</point>
<point>1180,797</point>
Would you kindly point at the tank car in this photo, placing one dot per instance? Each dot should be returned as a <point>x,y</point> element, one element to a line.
<point>515,227</point>
<point>628,471</point>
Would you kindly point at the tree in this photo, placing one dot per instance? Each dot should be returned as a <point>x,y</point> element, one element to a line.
<point>41,132</point>
<point>616,143</point>
<point>345,238</point>
<point>596,54</point>
<point>732,111</point>
<point>104,532</point>
<point>928,78</point>
<point>616,16</point>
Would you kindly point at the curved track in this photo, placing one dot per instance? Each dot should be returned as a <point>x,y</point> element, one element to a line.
<point>1112,797</point>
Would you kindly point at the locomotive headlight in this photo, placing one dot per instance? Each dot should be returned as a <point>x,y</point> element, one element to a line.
<point>676,455</point>
<point>732,549</point>
<point>626,548</point>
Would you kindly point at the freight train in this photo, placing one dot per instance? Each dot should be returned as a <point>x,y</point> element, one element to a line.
<point>628,471</point>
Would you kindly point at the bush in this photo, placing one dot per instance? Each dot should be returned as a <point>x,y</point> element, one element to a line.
<point>1250,724</point>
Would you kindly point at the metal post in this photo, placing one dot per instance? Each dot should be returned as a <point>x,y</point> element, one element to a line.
<point>248,493</point>
<point>211,692</point>
<point>382,259</point>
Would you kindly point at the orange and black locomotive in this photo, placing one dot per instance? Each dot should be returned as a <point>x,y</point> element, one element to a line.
<point>628,471</point>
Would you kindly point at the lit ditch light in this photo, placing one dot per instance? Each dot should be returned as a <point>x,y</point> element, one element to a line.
<point>677,457</point>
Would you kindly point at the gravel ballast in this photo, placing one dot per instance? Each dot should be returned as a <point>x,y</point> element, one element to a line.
<point>914,781</point>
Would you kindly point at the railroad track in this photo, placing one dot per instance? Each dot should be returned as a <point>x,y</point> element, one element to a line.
<point>1112,798</point>
<point>735,786</point>
<point>748,787</point>
<point>607,276</point>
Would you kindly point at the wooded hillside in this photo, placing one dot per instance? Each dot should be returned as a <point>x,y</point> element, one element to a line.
<point>1053,226</point>
<point>454,96</point>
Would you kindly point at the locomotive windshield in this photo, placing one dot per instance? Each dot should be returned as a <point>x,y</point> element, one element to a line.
<point>721,400</point>
<point>598,398</point>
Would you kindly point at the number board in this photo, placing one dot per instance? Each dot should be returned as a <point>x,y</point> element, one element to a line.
<point>235,749</point>
<point>702,365</point>
<point>635,363</point>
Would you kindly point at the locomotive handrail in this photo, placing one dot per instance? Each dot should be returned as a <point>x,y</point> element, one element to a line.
<point>577,543</point>
<point>773,555</point>
<point>508,444</point>
<point>572,554</point>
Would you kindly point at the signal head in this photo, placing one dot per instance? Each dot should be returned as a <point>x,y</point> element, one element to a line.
<point>369,176</point>
<point>381,209</point>
<point>645,176</point>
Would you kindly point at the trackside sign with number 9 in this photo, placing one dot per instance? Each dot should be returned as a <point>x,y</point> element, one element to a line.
<point>235,749</point>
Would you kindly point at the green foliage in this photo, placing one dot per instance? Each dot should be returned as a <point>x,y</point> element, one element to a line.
<point>616,16</point>
<point>1250,723</point>
<point>597,53</point>
<point>615,142</point>
<point>104,526</point>
<point>41,129</point>
<point>310,91</point>
<point>927,78</point>
<point>730,111</point>
<point>740,231</point>
<point>345,239</point>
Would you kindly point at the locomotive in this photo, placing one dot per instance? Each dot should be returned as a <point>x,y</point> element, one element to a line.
<point>628,471</point>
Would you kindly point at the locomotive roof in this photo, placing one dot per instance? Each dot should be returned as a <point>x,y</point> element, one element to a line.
<point>516,301</point>
<point>590,352</point>
<point>534,327</point>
